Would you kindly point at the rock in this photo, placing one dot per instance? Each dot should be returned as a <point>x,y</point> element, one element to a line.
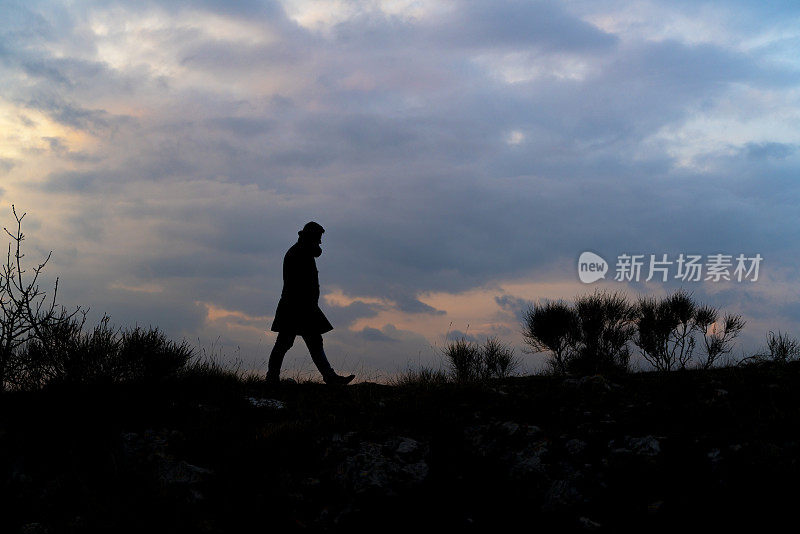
<point>407,446</point>
<point>33,528</point>
<point>208,408</point>
<point>562,494</point>
<point>493,433</point>
<point>346,437</point>
<point>655,506</point>
<point>78,524</point>
<point>273,404</point>
<point>575,447</point>
<point>568,470</point>
<point>715,458</point>
<point>644,446</point>
<point>533,431</point>
<point>595,383</point>
<point>183,478</point>
<point>588,524</point>
<point>520,450</point>
<point>530,461</point>
<point>510,428</point>
<point>181,472</point>
<point>147,453</point>
<point>633,454</point>
<point>388,468</point>
<point>311,482</point>
<point>479,439</point>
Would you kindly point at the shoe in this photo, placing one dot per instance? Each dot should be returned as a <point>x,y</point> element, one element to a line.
<point>339,380</point>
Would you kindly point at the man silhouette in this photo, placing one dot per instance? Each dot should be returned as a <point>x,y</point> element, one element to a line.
<point>298,310</point>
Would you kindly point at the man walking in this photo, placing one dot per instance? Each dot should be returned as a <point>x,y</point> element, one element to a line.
<point>298,310</point>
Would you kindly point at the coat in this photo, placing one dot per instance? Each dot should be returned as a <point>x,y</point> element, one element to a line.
<point>298,309</point>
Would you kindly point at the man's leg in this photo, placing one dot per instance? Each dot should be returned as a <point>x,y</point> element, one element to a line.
<point>314,344</point>
<point>282,345</point>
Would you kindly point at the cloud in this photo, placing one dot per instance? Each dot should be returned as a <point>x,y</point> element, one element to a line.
<point>516,23</point>
<point>515,305</point>
<point>182,146</point>
<point>373,334</point>
<point>6,164</point>
<point>344,316</point>
<point>760,151</point>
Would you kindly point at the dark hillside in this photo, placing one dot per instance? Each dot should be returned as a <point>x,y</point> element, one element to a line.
<point>641,452</point>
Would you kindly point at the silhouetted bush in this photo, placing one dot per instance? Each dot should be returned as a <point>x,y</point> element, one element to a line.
<point>589,337</point>
<point>422,376</point>
<point>26,313</point>
<point>68,354</point>
<point>594,334</point>
<point>203,373</point>
<point>717,340</point>
<point>464,359</point>
<point>147,354</point>
<point>606,326</point>
<point>498,358</point>
<point>665,330</point>
<point>782,348</point>
<point>552,326</point>
<point>470,361</point>
<point>42,343</point>
<point>64,353</point>
<point>668,330</point>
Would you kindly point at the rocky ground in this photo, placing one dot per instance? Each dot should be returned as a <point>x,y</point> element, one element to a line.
<point>646,452</point>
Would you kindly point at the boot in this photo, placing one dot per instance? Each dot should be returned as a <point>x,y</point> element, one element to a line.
<point>339,380</point>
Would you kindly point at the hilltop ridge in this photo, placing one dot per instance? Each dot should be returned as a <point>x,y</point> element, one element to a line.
<point>636,452</point>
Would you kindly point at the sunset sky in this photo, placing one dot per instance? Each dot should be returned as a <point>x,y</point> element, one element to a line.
<point>460,154</point>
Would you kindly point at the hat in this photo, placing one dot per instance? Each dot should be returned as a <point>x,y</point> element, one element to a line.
<point>312,228</point>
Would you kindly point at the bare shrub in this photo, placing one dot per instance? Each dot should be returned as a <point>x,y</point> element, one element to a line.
<point>665,330</point>
<point>42,343</point>
<point>594,334</point>
<point>587,337</point>
<point>717,338</point>
<point>606,326</point>
<point>782,348</point>
<point>497,357</point>
<point>26,312</point>
<point>464,360</point>
<point>470,361</point>
<point>554,327</point>
<point>421,376</point>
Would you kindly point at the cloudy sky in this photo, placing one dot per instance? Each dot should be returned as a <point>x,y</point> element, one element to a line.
<point>460,154</point>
